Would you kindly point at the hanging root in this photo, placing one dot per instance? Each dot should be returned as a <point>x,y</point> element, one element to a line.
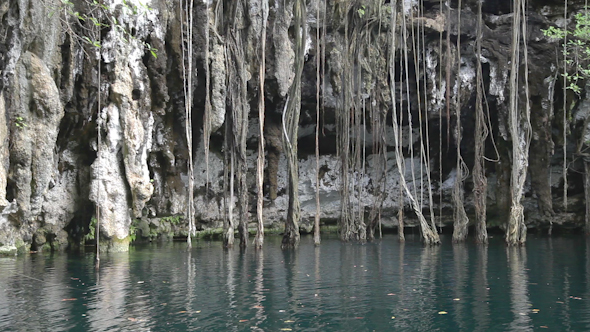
<point>429,234</point>
<point>259,239</point>
<point>480,182</point>
<point>291,127</point>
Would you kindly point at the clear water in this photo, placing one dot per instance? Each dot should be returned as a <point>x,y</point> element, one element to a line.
<point>382,286</point>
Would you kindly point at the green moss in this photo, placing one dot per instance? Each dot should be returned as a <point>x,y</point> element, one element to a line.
<point>115,245</point>
<point>329,229</point>
<point>209,233</point>
<point>273,231</point>
<point>22,247</point>
<point>133,230</point>
<point>174,220</point>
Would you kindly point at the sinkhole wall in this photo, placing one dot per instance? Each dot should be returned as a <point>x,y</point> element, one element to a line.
<point>54,171</point>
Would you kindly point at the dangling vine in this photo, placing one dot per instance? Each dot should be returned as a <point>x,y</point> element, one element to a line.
<point>259,239</point>
<point>460,219</point>
<point>237,124</point>
<point>520,128</point>
<point>480,182</point>
<point>291,127</point>
<point>98,147</point>
<point>565,121</point>
<point>207,113</point>
<point>319,53</point>
<point>426,150</point>
<point>425,167</point>
<point>239,111</point>
<point>187,74</point>
<point>343,120</point>
<point>398,132</point>
<point>429,235</point>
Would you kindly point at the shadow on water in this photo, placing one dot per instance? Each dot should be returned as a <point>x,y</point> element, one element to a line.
<point>337,286</point>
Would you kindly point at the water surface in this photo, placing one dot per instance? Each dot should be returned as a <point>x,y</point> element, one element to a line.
<point>381,286</point>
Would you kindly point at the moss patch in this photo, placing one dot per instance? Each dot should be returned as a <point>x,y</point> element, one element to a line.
<point>115,245</point>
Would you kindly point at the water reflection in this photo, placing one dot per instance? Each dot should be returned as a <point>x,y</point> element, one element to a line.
<point>107,307</point>
<point>379,286</point>
<point>230,289</point>
<point>461,271</point>
<point>259,290</point>
<point>481,290</point>
<point>521,306</point>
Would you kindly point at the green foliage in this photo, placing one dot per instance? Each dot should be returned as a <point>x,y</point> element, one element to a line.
<point>100,17</point>
<point>133,230</point>
<point>576,50</point>
<point>174,220</point>
<point>361,11</point>
<point>554,32</point>
<point>19,122</point>
<point>91,230</point>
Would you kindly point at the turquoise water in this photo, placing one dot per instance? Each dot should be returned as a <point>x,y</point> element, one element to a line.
<point>381,286</point>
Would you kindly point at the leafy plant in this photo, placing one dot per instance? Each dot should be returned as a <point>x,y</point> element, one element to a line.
<point>100,17</point>
<point>91,230</point>
<point>361,11</point>
<point>133,230</point>
<point>576,49</point>
<point>174,220</point>
<point>19,122</point>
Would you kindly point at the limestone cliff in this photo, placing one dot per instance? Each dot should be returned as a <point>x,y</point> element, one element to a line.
<point>59,93</point>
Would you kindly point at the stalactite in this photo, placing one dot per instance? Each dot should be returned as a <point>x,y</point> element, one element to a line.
<point>291,127</point>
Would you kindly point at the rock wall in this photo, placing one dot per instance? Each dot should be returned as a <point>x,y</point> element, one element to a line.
<point>57,101</point>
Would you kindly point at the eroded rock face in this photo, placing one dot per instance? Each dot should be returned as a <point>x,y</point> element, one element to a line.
<point>53,171</point>
<point>35,115</point>
<point>3,152</point>
<point>39,112</point>
<point>109,188</point>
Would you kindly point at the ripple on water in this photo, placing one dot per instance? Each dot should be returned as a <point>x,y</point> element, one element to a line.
<point>335,287</point>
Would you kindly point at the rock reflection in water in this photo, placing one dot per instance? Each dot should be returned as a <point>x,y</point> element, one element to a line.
<point>382,286</point>
<point>107,305</point>
<point>521,306</point>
